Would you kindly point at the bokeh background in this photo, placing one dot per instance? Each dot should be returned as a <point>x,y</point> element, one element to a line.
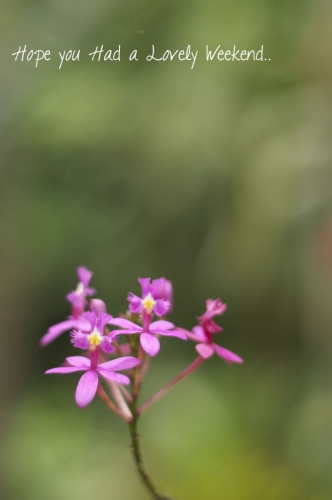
<point>218,178</point>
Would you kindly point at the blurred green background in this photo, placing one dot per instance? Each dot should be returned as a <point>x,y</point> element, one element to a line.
<point>218,178</point>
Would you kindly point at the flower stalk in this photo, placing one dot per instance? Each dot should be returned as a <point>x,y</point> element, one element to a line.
<point>137,455</point>
<point>194,365</point>
<point>102,394</point>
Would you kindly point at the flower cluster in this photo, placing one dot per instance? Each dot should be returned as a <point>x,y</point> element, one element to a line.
<point>133,339</point>
<point>91,330</point>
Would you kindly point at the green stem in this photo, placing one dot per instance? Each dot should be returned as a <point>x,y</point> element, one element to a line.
<point>137,455</point>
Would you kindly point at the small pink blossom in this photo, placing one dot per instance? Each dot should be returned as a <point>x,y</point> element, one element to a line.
<point>203,333</point>
<point>149,303</point>
<point>88,383</point>
<point>93,337</point>
<point>78,297</point>
<point>78,301</point>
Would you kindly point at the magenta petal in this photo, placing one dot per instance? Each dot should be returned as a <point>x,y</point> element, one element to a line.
<point>103,319</point>
<point>211,326</point>
<point>91,320</point>
<point>161,307</point>
<point>114,333</point>
<point>150,343</point>
<point>123,363</point>
<point>227,355</point>
<point>145,284</point>
<point>86,388</point>
<point>80,340</point>
<point>106,345</point>
<point>161,325</point>
<point>204,350</point>
<point>199,332</point>
<point>162,289</point>
<point>214,308</point>
<point>56,330</point>
<point>84,275</point>
<point>173,333</point>
<point>124,323</point>
<point>71,296</point>
<point>135,303</point>
<point>82,324</point>
<point>79,361</point>
<point>117,377</point>
<point>62,370</point>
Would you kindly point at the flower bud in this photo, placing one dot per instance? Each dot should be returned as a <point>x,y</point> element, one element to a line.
<point>164,290</point>
<point>97,306</point>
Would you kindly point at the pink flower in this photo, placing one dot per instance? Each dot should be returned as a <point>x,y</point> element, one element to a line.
<point>77,298</point>
<point>213,308</point>
<point>92,337</point>
<point>148,339</point>
<point>88,383</point>
<point>150,301</point>
<point>203,333</point>
<point>78,302</point>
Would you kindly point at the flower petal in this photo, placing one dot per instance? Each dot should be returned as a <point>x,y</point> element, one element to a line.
<point>162,289</point>
<point>123,363</point>
<point>199,332</point>
<point>161,307</point>
<point>204,350</point>
<point>106,345</point>
<point>91,318</point>
<point>227,355</point>
<point>86,388</point>
<point>211,326</point>
<point>82,324</point>
<point>114,333</point>
<point>56,330</point>
<point>150,343</point>
<point>80,340</point>
<point>117,377</point>
<point>62,370</point>
<point>145,284</point>
<point>124,323</point>
<point>161,325</point>
<point>135,303</point>
<point>84,275</point>
<point>103,319</point>
<point>79,361</point>
<point>214,307</point>
<point>172,333</point>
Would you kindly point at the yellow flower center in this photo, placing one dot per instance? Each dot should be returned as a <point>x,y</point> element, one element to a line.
<point>148,303</point>
<point>95,339</point>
